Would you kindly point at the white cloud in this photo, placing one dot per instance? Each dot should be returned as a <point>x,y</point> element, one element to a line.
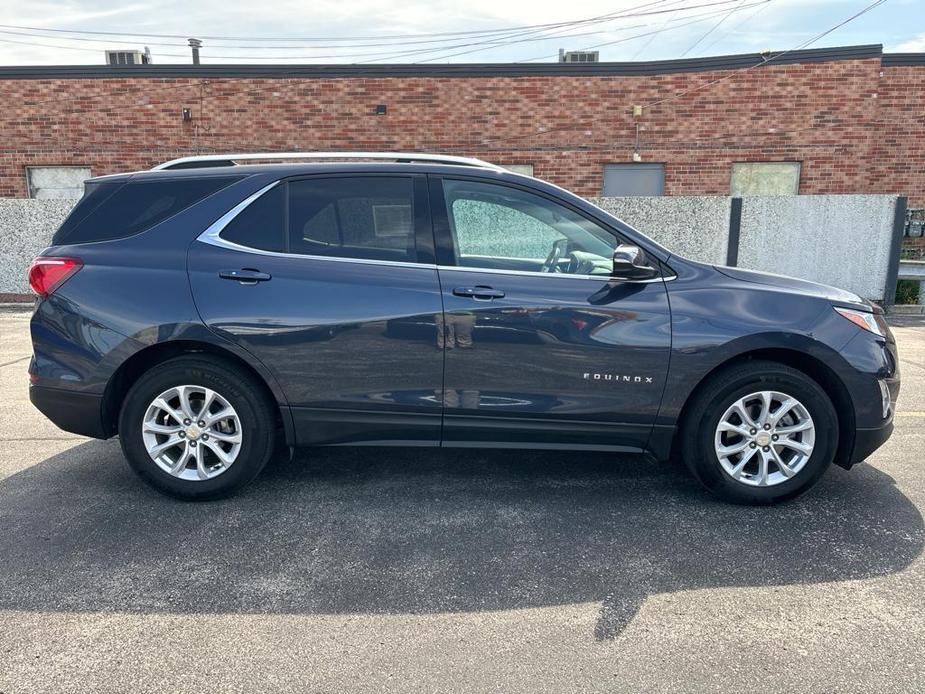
<point>916,45</point>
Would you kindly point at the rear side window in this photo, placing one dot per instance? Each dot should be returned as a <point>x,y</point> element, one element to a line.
<point>368,217</point>
<point>260,224</point>
<point>116,210</point>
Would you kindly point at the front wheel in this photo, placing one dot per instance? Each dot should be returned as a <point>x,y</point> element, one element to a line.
<point>196,427</point>
<point>759,432</point>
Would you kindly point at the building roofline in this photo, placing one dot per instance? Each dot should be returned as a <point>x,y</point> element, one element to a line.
<point>551,69</point>
<point>897,59</point>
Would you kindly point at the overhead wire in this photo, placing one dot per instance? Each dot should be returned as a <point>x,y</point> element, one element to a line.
<point>712,29</point>
<point>734,28</point>
<point>776,56</point>
<point>485,44</point>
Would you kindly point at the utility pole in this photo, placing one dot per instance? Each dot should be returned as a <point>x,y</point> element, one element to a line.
<point>195,45</point>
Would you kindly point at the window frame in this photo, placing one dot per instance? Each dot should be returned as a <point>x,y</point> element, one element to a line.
<point>31,189</point>
<point>792,162</point>
<point>420,212</point>
<point>446,243</point>
<point>629,166</point>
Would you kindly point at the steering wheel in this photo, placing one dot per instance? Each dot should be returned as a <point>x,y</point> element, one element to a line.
<point>551,264</point>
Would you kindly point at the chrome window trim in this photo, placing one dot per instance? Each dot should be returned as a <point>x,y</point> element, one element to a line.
<point>562,275</point>
<point>212,236</point>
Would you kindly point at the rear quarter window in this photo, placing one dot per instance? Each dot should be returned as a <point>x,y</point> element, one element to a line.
<point>117,210</point>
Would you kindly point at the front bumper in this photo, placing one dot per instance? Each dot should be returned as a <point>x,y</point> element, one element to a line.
<point>866,441</point>
<point>78,413</point>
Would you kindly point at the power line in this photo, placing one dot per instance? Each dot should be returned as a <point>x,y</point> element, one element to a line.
<point>712,29</point>
<point>702,17</point>
<point>485,44</point>
<point>648,43</point>
<point>748,18</point>
<point>777,56</point>
<point>610,17</point>
<point>263,39</point>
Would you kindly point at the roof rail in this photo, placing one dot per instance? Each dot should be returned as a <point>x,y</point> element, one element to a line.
<point>206,160</point>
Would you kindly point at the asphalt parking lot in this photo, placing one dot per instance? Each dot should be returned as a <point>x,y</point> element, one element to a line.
<point>353,570</point>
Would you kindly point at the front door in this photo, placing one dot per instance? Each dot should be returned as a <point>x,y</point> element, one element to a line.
<point>541,345</point>
<point>330,282</point>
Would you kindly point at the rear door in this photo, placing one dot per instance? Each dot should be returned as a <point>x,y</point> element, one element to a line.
<point>542,346</point>
<point>330,281</point>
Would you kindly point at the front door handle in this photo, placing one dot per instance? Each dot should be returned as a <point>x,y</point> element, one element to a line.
<point>479,293</point>
<point>245,275</point>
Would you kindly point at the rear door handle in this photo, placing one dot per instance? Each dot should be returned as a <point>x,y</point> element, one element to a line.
<point>245,275</point>
<point>479,293</point>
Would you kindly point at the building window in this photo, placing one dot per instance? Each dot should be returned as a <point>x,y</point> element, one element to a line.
<point>624,180</point>
<point>56,181</point>
<point>525,169</point>
<point>766,178</point>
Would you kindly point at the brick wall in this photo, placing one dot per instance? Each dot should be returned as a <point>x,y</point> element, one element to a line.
<point>851,128</point>
<point>898,155</point>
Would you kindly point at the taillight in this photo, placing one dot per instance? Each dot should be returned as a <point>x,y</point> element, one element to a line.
<point>46,273</point>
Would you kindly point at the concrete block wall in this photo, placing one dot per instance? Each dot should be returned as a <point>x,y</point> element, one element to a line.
<point>843,240</point>
<point>694,227</point>
<point>26,227</point>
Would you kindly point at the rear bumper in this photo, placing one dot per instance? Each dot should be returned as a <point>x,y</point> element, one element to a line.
<point>78,413</point>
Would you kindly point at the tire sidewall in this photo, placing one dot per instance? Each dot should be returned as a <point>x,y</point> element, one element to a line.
<point>256,431</point>
<point>706,466</point>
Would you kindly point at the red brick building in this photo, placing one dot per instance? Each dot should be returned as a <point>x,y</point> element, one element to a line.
<point>852,118</point>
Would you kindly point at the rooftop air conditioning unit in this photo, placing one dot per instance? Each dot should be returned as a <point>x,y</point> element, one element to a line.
<point>128,57</point>
<point>578,56</point>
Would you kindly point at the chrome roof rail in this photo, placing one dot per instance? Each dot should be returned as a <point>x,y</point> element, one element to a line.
<point>205,160</point>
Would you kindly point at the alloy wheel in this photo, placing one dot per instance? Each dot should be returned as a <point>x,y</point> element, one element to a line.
<point>192,432</point>
<point>764,438</point>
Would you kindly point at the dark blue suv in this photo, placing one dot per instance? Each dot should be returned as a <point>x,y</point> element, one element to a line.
<point>206,310</point>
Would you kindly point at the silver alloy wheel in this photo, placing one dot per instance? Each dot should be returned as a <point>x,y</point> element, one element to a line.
<point>192,432</point>
<point>764,438</point>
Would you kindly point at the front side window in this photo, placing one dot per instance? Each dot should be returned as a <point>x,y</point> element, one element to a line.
<point>498,227</point>
<point>367,217</point>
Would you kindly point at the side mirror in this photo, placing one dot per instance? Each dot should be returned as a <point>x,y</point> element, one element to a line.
<point>630,264</point>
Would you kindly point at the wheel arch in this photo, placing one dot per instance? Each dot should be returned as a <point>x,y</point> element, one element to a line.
<point>134,366</point>
<point>810,366</point>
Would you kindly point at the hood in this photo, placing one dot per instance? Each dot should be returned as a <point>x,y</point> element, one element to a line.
<point>797,286</point>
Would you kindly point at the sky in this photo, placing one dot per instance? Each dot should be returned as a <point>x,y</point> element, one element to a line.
<point>406,31</point>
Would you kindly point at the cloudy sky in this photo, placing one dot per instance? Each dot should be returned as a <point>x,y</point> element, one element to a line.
<point>390,31</point>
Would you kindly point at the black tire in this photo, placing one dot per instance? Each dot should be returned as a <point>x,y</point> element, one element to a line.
<point>716,395</point>
<point>242,391</point>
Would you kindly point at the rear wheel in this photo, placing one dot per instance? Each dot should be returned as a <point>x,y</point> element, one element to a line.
<point>759,432</point>
<point>197,428</point>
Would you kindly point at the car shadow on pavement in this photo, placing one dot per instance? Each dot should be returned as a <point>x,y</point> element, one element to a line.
<point>368,530</point>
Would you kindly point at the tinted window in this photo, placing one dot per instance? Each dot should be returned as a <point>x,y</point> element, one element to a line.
<point>352,217</point>
<point>113,210</point>
<point>510,229</point>
<point>260,224</point>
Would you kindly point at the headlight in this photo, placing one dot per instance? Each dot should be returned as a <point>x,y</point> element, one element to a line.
<point>872,322</point>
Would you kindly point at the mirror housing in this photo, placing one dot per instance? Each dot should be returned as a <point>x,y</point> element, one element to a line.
<point>631,264</point>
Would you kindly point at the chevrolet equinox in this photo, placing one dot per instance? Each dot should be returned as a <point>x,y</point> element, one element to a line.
<point>206,310</point>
